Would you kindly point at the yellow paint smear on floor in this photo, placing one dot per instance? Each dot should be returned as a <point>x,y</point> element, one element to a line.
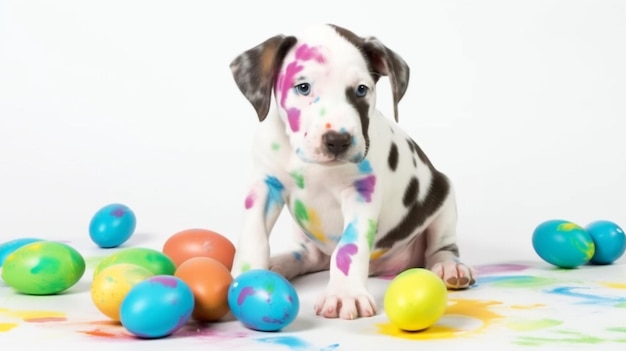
<point>473,310</point>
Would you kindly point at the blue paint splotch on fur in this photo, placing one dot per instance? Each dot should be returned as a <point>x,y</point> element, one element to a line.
<point>295,343</point>
<point>275,193</point>
<point>349,233</point>
<point>365,166</point>
<point>365,187</point>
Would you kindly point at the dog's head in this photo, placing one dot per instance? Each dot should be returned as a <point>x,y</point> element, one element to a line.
<point>324,82</point>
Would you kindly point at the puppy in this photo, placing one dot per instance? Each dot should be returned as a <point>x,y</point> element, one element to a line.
<point>366,199</point>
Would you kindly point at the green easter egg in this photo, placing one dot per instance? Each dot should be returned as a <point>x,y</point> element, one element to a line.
<point>43,268</point>
<point>153,260</point>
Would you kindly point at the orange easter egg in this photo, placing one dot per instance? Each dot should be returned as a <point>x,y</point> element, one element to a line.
<point>209,281</point>
<point>199,243</point>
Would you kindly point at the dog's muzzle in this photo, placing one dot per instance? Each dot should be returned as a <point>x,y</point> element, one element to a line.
<point>336,143</point>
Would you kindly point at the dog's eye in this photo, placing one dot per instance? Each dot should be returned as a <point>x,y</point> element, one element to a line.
<point>303,89</point>
<point>361,91</point>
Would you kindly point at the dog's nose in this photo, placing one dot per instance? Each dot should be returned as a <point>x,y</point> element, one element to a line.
<point>336,142</point>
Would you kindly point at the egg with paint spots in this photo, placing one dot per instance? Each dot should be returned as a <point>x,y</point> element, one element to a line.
<point>209,281</point>
<point>609,240</point>
<point>112,284</point>
<point>199,243</point>
<point>157,307</point>
<point>153,260</point>
<point>263,300</point>
<point>43,268</point>
<point>563,243</point>
<point>415,299</point>
<point>8,247</point>
<point>112,225</point>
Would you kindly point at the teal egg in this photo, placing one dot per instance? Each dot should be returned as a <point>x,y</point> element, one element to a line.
<point>43,268</point>
<point>563,243</point>
<point>8,247</point>
<point>609,239</point>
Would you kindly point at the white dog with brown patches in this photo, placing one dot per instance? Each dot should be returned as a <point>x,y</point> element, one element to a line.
<point>366,199</point>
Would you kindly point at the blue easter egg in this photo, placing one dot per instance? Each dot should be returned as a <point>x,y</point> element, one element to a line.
<point>563,243</point>
<point>112,225</point>
<point>8,247</point>
<point>157,307</point>
<point>609,239</point>
<point>263,300</point>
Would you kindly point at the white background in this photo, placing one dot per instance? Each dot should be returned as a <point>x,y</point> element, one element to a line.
<point>521,103</point>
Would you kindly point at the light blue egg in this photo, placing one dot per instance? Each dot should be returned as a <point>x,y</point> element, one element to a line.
<point>563,243</point>
<point>8,247</point>
<point>112,225</point>
<point>263,300</point>
<point>609,239</point>
<point>157,307</point>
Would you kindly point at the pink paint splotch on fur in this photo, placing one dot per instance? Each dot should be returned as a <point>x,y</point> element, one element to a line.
<point>250,200</point>
<point>344,257</point>
<point>286,81</point>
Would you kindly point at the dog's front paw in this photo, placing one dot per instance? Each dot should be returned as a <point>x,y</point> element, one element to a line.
<point>456,275</point>
<point>345,303</point>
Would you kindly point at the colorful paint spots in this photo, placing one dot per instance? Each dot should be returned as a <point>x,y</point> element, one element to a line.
<point>365,166</point>
<point>249,202</point>
<point>298,178</point>
<point>516,281</point>
<point>275,193</point>
<point>287,79</point>
<point>275,146</point>
<point>365,187</point>
<point>5,327</point>
<point>522,325</point>
<point>586,298</point>
<point>29,316</point>
<point>500,268</point>
<point>372,227</point>
<point>454,323</point>
<point>294,343</point>
<point>343,259</point>
<point>309,221</point>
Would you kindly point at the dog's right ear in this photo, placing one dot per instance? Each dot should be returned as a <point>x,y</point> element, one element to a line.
<point>255,71</point>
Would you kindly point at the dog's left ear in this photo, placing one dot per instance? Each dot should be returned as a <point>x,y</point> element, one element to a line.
<point>256,69</point>
<point>386,62</point>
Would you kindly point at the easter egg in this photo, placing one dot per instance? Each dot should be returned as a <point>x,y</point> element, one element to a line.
<point>8,247</point>
<point>263,300</point>
<point>609,240</point>
<point>209,281</point>
<point>153,260</point>
<point>199,243</point>
<point>157,307</point>
<point>415,299</point>
<point>112,225</point>
<point>112,284</point>
<point>562,243</point>
<point>43,268</point>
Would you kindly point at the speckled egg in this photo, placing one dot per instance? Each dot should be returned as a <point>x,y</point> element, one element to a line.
<point>112,284</point>
<point>263,300</point>
<point>112,225</point>
<point>563,243</point>
<point>8,247</point>
<point>43,268</point>
<point>153,260</point>
<point>157,307</point>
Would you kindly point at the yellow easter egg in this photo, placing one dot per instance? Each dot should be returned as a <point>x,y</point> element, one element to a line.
<point>415,299</point>
<point>110,286</point>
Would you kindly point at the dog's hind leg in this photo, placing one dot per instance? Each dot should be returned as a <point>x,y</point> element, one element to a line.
<point>442,252</point>
<point>307,258</point>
